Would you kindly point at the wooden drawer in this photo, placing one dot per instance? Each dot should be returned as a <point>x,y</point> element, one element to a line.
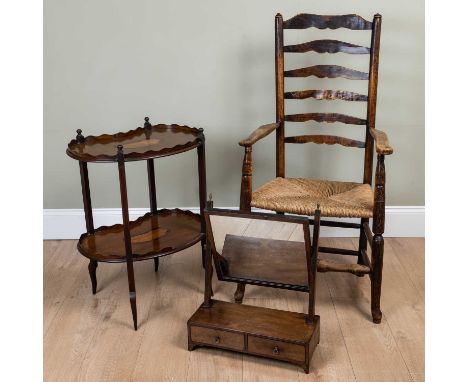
<point>216,337</point>
<point>276,349</point>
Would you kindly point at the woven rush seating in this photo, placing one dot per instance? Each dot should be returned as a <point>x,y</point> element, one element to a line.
<point>301,196</point>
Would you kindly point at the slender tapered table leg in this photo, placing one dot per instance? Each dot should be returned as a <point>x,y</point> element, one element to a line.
<point>202,190</point>
<point>152,198</point>
<point>93,264</point>
<point>127,238</point>
<point>88,216</point>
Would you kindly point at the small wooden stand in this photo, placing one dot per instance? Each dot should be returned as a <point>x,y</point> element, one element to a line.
<point>271,333</point>
<point>158,233</point>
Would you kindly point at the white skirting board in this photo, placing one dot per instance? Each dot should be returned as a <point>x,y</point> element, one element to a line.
<point>400,221</point>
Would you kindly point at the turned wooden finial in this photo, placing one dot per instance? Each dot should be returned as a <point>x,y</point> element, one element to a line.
<point>79,137</point>
<point>209,203</point>
<point>147,123</point>
<point>318,206</point>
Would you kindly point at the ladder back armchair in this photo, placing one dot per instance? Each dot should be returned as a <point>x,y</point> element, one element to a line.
<point>337,199</point>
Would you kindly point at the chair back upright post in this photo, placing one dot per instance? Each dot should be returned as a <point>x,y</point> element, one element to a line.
<point>279,80</point>
<point>372,97</point>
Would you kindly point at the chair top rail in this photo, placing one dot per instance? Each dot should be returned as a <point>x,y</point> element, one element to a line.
<point>305,20</point>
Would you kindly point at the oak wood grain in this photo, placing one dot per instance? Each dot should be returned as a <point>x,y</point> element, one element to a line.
<point>325,117</point>
<point>326,46</point>
<point>113,351</point>
<point>382,146</point>
<point>328,71</point>
<point>327,139</point>
<point>326,95</point>
<point>258,134</point>
<point>306,20</point>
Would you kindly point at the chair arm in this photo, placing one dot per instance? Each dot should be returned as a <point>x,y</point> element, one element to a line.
<point>258,134</point>
<point>381,142</point>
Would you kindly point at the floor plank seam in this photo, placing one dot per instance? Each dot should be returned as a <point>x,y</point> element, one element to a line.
<point>100,321</point>
<point>407,273</point>
<point>341,329</point>
<point>397,346</point>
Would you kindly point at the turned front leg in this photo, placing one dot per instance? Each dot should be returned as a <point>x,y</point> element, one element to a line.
<point>378,240</point>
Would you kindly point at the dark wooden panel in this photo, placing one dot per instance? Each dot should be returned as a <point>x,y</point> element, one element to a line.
<point>230,340</point>
<point>329,71</point>
<point>325,117</point>
<point>255,259</point>
<point>327,46</point>
<point>305,20</point>
<point>272,323</point>
<point>277,334</point>
<point>326,95</point>
<point>276,349</point>
<point>327,139</point>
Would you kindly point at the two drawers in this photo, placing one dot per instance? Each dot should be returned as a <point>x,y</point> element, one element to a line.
<point>248,343</point>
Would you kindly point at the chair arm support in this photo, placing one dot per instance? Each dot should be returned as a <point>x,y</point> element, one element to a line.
<point>378,225</point>
<point>258,134</point>
<point>246,183</point>
<point>382,146</point>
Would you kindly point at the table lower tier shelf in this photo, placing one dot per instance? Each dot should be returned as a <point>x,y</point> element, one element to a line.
<point>152,235</point>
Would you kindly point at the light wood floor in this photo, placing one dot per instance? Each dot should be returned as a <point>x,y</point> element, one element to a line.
<point>91,338</point>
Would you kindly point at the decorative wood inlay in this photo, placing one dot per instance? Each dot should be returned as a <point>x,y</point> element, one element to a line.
<point>149,236</point>
<point>139,144</point>
<point>325,117</point>
<point>305,20</point>
<point>144,143</point>
<point>174,230</point>
<point>327,139</point>
<point>326,95</point>
<point>329,71</point>
<point>327,46</point>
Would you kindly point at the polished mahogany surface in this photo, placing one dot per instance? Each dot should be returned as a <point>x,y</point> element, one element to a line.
<point>141,143</point>
<point>271,323</point>
<point>161,234</point>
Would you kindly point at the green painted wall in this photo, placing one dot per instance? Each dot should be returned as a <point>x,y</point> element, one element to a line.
<point>210,64</point>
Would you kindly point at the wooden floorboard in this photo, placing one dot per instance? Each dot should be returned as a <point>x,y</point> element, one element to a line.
<point>91,338</point>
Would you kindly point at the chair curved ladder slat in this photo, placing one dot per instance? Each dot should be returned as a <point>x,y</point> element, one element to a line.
<point>330,95</point>
<point>326,46</point>
<point>329,71</point>
<point>325,117</point>
<point>306,20</point>
<point>327,139</point>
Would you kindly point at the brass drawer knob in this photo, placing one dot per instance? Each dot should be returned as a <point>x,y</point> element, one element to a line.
<point>217,340</point>
<point>276,350</point>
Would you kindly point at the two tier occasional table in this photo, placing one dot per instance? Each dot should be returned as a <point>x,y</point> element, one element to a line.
<point>155,234</point>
